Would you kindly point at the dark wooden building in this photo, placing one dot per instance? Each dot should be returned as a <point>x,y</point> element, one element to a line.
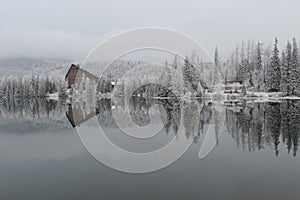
<point>71,75</point>
<point>76,72</point>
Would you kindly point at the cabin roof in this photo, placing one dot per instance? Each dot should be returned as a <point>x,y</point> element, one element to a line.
<point>76,67</point>
<point>73,66</point>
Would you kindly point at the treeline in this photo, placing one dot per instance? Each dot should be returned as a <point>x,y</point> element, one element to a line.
<point>30,87</point>
<point>259,67</point>
<point>265,68</point>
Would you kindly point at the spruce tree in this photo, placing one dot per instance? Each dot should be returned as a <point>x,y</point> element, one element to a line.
<point>216,57</point>
<point>273,73</point>
<point>283,83</point>
<point>286,66</point>
<point>294,76</point>
<point>217,68</point>
<point>258,76</point>
<point>243,65</point>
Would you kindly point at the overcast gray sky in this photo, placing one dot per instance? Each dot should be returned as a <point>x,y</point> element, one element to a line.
<point>70,29</point>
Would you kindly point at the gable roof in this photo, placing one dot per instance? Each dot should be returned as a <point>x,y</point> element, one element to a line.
<point>76,67</point>
<point>73,66</point>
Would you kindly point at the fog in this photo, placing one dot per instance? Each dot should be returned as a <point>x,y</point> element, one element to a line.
<point>70,29</point>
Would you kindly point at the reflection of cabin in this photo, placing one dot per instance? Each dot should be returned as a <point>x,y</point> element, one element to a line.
<point>77,116</point>
<point>75,72</point>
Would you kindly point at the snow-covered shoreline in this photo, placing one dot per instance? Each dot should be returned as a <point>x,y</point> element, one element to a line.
<point>269,95</point>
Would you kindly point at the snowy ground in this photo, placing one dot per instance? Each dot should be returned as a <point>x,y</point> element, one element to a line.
<point>52,96</point>
<point>269,96</point>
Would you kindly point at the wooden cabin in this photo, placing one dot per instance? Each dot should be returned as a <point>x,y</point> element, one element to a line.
<point>75,72</point>
<point>71,75</point>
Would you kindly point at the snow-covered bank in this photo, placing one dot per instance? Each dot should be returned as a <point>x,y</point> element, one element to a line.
<point>52,96</point>
<point>269,96</point>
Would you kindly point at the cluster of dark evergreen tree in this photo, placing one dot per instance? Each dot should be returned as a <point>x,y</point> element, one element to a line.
<point>267,69</point>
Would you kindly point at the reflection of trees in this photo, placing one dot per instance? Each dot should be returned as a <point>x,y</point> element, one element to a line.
<point>273,120</point>
<point>105,117</point>
<point>193,114</point>
<point>290,125</point>
<point>30,108</point>
<point>139,111</point>
<point>238,124</point>
<point>217,123</point>
<point>261,125</point>
<point>191,118</point>
<point>255,127</point>
<point>32,114</point>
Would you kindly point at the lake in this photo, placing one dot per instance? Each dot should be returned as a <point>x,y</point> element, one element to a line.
<point>256,155</point>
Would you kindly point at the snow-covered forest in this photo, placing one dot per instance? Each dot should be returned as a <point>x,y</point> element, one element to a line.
<point>266,68</point>
<point>32,78</point>
<point>34,86</point>
<point>257,67</point>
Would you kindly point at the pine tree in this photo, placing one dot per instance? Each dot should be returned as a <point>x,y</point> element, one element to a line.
<point>266,62</point>
<point>242,67</point>
<point>190,76</point>
<point>251,62</point>
<point>216,57</point>
<point>294,76</point>
<point>187,73</point>
<point>273,73</point>
<point>258,76</point>
<point>32,87</point>
<point>286,66</point>
<point>283,83</point>
<point>37,87</point>
<point>217,68</point>
<point>175,62</point>
<point>236,62</point>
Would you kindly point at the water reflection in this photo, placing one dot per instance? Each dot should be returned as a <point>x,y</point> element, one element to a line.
<point>31,115</point>
<point>252,126</point>
<point>262,125</point>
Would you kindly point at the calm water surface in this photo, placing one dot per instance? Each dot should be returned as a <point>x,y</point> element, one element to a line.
<point>257,156</point>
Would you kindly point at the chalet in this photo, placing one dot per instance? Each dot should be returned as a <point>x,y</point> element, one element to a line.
<point>74,72</point>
